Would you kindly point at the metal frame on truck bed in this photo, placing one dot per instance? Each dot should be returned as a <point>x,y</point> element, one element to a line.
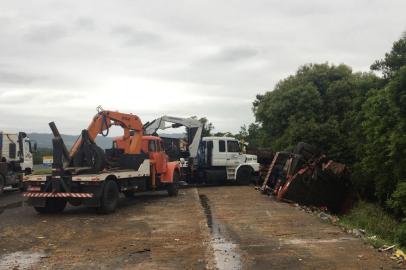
<point>90,176</point>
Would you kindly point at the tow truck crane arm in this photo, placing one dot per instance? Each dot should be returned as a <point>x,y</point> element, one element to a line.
<point>85,153</point>
<point>103,120</point>
<point>194,137</point>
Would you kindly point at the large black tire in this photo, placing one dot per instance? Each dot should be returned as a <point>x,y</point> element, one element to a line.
<point>244,175</point>
<point>27,171</point>
<point>109,198</point>
<point>172,188</point>
<point>2,184</point>
<point>90,156</point>
<point>52,206</point>
<point>307,151</point>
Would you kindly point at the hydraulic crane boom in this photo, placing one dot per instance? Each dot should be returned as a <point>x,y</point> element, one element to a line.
<point>103,120</point>
<point>194,126</point>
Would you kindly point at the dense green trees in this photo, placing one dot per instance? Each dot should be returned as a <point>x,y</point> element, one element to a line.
<point>319,105</point>
<point>357,118</point>
<point>40,153</point>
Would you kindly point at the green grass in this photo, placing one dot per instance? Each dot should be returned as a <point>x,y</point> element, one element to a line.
<point>375,221</point>
<point>43,171</point>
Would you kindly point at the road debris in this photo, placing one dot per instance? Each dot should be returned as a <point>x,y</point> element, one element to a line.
<point>386,248</point>
<point>357,232</point>
<point>321,212</point>
<point>400,254</point>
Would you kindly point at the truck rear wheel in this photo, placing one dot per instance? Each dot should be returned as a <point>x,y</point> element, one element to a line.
<point>2,184</point>
<point>109,198</point>
<point>244,175</point>
<point>172,188</point>
<point>52,206</point>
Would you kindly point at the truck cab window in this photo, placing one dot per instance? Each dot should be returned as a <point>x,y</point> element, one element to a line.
<point>233,147</point>
<point>30,147</point>
<point>12,150</point>
<point>222,146</point>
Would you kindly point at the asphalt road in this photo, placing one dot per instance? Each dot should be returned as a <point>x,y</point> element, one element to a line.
<point>232,227</point>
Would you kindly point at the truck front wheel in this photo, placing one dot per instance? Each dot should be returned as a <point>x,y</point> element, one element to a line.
<point>52,206</point>
<point>109,198</point>
<point>244,175</point>
<point>172,188</point>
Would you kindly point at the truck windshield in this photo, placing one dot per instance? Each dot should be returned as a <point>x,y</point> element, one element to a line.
<point>233,146</point>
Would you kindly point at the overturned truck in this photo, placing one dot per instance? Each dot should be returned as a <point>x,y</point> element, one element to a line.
<point>306,176</point>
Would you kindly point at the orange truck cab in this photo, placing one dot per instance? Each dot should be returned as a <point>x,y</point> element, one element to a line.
<point>153,146</point>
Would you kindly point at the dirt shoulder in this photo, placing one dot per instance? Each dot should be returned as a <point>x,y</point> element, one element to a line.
<point>274,235</point>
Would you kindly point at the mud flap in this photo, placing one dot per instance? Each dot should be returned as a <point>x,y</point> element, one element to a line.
<point>36,202</point>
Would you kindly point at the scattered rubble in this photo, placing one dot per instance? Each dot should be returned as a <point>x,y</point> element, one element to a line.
<point>399,256</point>
<point>321,212</point>
<point>385,248</point>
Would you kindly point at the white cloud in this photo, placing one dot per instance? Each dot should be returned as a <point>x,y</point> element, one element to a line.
<point>61,59</point>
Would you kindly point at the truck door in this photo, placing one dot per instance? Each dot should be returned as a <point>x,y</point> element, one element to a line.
<point>233,153</point>
<point>209,153</point>
<point>157,153</point>
<point>1,145</point>
<point>27,154</point>
<point>162,156</point>
<point>219,153</point>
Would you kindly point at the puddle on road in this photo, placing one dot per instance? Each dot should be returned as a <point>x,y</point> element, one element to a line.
<point>20,260</point>
<point>225,251</point>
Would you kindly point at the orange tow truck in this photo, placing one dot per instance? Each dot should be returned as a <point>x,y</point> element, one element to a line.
<point>88,175</point>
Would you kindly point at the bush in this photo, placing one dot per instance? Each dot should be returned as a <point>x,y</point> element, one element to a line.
<point>398,199</point>
<point>401,235</point>
<point>373,219</point>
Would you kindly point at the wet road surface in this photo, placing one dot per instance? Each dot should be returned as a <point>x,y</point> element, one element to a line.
<point>232,227</point>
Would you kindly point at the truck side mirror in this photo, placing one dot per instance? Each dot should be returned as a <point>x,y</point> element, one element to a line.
<point>35,147</point>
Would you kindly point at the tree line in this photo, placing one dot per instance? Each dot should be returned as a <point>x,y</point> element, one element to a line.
<point>357,118</point>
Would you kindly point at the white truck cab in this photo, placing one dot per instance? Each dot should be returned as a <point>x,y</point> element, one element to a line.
<point>210,158</point>
<point>16,158</point>
<point>17,147</point>
<point>225,153</point>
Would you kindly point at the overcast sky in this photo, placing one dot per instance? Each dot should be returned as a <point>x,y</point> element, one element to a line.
<point>59,60</point>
